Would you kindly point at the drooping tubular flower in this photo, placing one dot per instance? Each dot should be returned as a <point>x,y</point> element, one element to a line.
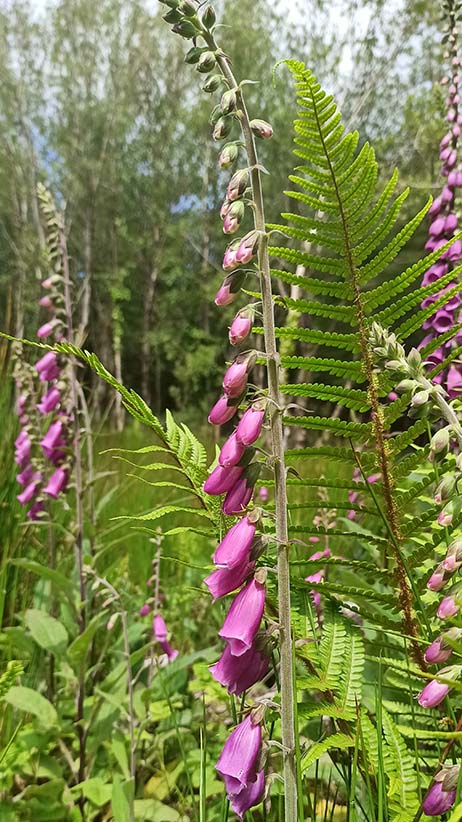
<point>238,762</point>
<point>434,692</point>
<point>159,629</point>
<point>244,616</point>
<point>442,793</point>
<point>238,673</point>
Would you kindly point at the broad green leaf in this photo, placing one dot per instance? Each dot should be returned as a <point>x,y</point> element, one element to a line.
<point>47,631</point>
<point>31,702</point>
<point>120,799</point>
<point>79,647</point>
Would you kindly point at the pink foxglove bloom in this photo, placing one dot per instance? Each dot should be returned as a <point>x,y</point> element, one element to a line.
<point>243,618</point>
<point>263,493</point>
<point>49,400</point>
<point>437,800</point>
<point>23,449</point>
<point>35,511</point>
<point>235,379</point>
<point>235,545</point>
<point>238,497</point>
<point>224,581</point>
<point>30,491</point>
<point>249,797</point>
<point>56,483</point>
<point>222,411</point>
<point>450,223</point>
<point>437,227</point>
<point>438,651</point>
<point>238,673</point>
<point>232,451</point>
<point>159,628</point>
<point>239,757</point>
<point>241,326</point>
<point>26,475</point>
<point>53,435</point>
<point>436,205</point>
<point>222,479</point>
<point>448,608</point>
<point>454,382</point>
<point>433,694</point>
<point>48,367</point>
<point>45,330</point>
<point>145,609</point>
<point>46,302</point>
<point>250,425</point>
<point>455,251</point>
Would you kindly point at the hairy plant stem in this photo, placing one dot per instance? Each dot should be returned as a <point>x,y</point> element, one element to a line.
<point>130,692</point>
<point>82,615</point>
<point>287,672</point>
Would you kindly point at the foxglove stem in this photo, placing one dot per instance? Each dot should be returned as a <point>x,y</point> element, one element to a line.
<point>81,730</point>
<point>275,422</point>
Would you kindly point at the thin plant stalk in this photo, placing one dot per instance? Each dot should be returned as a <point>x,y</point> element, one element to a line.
<point>82,616</point>
<point>279,469</point>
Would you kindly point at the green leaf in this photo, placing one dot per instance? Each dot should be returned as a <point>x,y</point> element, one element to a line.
<point>31,702</point>
<point>60,581</point>
<point>151,810</point>
<point>96,791</point>
<point>47,631</point>
<point>121,793</point>
<point>331,743</point>
<point>78,649</point>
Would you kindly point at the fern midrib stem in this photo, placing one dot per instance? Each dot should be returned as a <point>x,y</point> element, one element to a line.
<point>287,677</point>
<point>377,423</point>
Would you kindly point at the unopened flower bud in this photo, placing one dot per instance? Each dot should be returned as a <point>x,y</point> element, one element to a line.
<point>229,258</point>
<point>419,399</point>
<point>248,247</point>
<point>440,441</point>
<point>229,290</point>
<point>447,608</point>
<point>238,184</point>
<point>228,101</point>
<point>186,29</point>
<point>173,16</point>
<point>222,128</point>
<point>261,129</point>
<point>228,155</point>
<point>445,489</point>
<point>187,8</point>
<point>415,361</point>
<point>206,62</point>
<point>111,622</point>
<point>437,580</point>
<point>209,17</point>
<point>241,326</point>
<point>406,385</point>
<point>212,84</point>
<point>233,217</point>
<point>193,55</point>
